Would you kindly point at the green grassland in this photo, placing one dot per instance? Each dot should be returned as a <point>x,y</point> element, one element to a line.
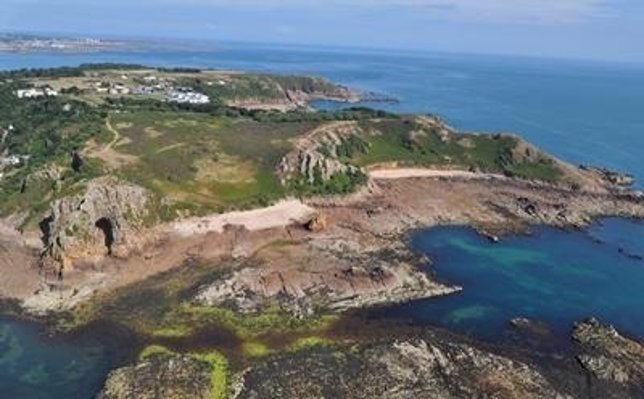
<point>201,159</point>
<point>202,162</point>
<point>45,132</point>
<point>407,142</point>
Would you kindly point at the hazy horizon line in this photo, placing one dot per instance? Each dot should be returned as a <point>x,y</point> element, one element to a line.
<point>409,51</point>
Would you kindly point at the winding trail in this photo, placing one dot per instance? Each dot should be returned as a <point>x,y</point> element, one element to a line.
<point>116,133</point>
<point>107,153</point>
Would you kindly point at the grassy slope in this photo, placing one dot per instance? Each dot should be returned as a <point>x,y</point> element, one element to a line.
<point>205,163</point>
<point>407,143</point>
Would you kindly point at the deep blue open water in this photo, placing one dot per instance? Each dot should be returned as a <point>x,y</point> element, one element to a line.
<point>583,112</point>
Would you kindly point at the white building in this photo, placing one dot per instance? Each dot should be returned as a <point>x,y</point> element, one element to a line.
<point>189,97</point>
<point>36,92</point>
<point>11,160</point>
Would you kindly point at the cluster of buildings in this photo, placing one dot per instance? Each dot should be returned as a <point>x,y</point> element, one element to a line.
<point>181,95</point>
<point>112,89</point>
<point>9,160</point>
<point>26,43</point>
<point>147,85</point>
<point>187,97</point>
<point>35,92</point>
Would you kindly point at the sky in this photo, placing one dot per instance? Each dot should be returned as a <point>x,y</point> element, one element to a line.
<point>607,30</point>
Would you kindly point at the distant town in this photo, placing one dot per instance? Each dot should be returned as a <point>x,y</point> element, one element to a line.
<point>30,43</point>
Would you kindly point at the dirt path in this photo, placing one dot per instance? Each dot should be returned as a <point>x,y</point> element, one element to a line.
<point>116,133</point>
<point>281,214</point>
<point>107,153</point>
<point>402,173</point>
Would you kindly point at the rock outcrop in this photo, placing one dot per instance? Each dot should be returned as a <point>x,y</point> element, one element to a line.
<point>325,273</point>
<point>102,221</point>
<point>177,377</point>
<point>316,155</point>
<point>608,355</point>
<point>411,368</point>
<point>317,224</point>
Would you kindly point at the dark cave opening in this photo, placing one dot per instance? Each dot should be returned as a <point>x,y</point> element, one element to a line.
<point>105,225</point>
<point>45,229</point>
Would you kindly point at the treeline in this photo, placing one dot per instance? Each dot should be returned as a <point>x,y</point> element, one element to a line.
<point>70,72</point>
<point>65,72</point>
<point>217,108</point>
<point>179,70</point>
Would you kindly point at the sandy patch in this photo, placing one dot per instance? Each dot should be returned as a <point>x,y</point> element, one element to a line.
<point>403,173</point>
<point>152,132</point>
<point>281,214</point>
<point>170,147</point>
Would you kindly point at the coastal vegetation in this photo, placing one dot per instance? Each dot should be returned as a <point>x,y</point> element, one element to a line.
<point>408,142</point>
<point>202,158</point>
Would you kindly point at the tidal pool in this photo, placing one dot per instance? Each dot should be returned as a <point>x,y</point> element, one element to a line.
<point>553,276</point>
<point>37,365</point>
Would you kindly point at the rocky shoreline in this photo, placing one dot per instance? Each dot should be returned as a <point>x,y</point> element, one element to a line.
<point>419,363</point>
<point>352,254</point>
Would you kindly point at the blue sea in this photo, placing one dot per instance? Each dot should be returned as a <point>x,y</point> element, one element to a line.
<point>584,112</point>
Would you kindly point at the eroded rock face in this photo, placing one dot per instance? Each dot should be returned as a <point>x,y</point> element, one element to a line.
<point>413,368</point>
<point>178,377</point>
<point>102,221</point>
<point>608,355</point>
<point>316,155</point>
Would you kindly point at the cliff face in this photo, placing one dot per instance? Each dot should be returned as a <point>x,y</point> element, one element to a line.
<point>103,221</point>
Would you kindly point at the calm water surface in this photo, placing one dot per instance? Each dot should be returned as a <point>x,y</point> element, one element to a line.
<point>552,276</point>
<point>34,365</point>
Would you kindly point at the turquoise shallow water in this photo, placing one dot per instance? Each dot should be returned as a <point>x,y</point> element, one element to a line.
<point>552,276</point>
<point>34,365</point>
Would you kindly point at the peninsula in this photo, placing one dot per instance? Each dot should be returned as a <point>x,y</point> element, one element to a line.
<point>178,202</point>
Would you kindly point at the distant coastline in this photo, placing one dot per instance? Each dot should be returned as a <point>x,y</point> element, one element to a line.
<point>18,43</point>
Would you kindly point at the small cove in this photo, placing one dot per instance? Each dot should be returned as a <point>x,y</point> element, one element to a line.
<point>551,276</point>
